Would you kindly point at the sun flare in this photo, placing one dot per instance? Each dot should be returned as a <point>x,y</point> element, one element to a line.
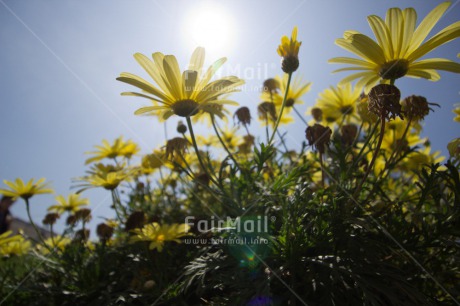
<point>211,27</point>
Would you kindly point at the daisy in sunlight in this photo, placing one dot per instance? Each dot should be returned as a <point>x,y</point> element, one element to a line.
<point>338,104</point>
<point>182,94</point>
<point>399,46</point>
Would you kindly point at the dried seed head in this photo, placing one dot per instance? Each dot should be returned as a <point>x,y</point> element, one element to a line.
<point>267,110</point>
<point>176,145</point>
<point>318,136</point>
<point>384,101</point>
<point>83,215</point>
<point>243,115</point>
<point>317,114</point>
<point>185,108</point>
<point>82,235</point>
<point>349,132</point>
<point>71,220</point>
<point>415,107</point>
<point>104,232</point>
<point>181,127</point>
<point>271,85</point>
<point>135,220</point>
<point>290,63</point>
<point>50,218</point>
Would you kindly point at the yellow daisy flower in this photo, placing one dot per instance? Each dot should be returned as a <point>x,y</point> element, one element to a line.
<point>297,89</point>
<point>394,132</point>
<point>153,161</point>
<point>73,203</point>
<point>289,51</point>
<point>158,234</point>
<point>399,45</point>
<point>105,176</point>
<point>118,148</point>
<point>57,243</point>
<point>20,190</point>
<point>338,104</point>
<point>456,111</point>
<point>183,94</point>
<point>14,245</point>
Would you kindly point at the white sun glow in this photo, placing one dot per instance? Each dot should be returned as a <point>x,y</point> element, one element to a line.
<point>211,27</point>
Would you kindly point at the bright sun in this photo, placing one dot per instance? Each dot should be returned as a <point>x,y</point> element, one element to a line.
<point>211,27</point>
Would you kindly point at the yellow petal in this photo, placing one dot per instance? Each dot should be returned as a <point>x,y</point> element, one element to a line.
<point>426,25</point>
<point>394,22</point>
<point>382,35</point>
<point>445,35</point>
<point>437,64</point>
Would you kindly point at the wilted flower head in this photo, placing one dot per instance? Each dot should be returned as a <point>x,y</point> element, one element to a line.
<point>243,115</point>
<point>317,114</point>
<point>50,218</point>
<point>267,110</point>
<point>349,132</point>
<point>416,107</point>
<point>318,136</point>
<point>176,146</point>
<point>271,86</point>
<point>104,231</point>
<point>384,101</point>
<point>83,215</point>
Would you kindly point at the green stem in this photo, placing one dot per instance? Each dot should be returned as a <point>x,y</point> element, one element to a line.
<point>222,142</point>
<point>282,109</point>
<point>195,146</point>
<point>39,234</point>
<point>374,158</point>
<point>299,114</point>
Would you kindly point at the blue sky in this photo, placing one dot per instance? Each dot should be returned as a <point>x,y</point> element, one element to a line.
<point>59,60</point>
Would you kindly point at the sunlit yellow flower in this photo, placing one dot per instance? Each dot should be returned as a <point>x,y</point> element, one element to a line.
<point>399,45</point>
<point>57,244</point>
<point>73,203</point>
<point>456,111</point>
<point>339,104</point>
<point>289,51</point>
<point>153,161</point>
<point>119,148</point>
<point>297,89</point>
<point>183,94</point>
<point>454,148</point>
<point>394,131</point>
<point>230,137</point>
<point>207,141</point>
<point>106,176</point>
<point>158,234</point>
<point>7,238</point>
<point>13,245</point>
<point>268,113</point>
<point>25,191</point>
<point>415,161</point>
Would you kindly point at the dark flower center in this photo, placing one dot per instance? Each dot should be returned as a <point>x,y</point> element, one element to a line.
<point>393,70</point>
<point>185,108</point>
